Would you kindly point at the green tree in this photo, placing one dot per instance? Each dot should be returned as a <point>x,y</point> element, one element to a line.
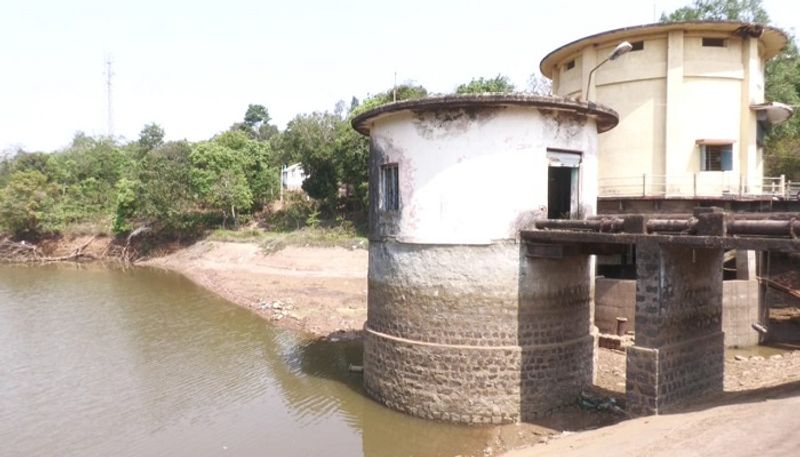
<point>86,174</point>
<point>256,123</point>
<point>151,137</point>
<point>218,176</point>
<point>782,149</point>
<point>720,10</point>
<point>351,157</point>
<point>263,177</point>
<point>256,115</point>
<point>157,193</point>
<point>405,91</point>
<point>25,203</point>
<point>310,140</point>
<point>499,83</point>
<point>333,155</point>
<point>126,205</point>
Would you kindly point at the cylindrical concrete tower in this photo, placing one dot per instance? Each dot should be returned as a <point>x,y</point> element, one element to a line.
<point>462,325</point>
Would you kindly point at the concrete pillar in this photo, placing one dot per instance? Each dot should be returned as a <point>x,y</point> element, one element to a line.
<point>678,354</point>
<point>674,148</point>
<point>752,92</point>
<point>745,264</point>
<point>588,62</point>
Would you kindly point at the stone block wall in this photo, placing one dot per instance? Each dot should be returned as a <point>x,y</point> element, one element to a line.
<point>740,308</point>
<point>476,334</point>
<point>464,384</point>
<point>678,354</point>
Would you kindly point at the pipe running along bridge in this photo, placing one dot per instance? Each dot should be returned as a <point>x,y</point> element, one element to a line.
<point>678,354</point>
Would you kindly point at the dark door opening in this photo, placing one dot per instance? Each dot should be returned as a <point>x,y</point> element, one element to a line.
<point>559,192</point>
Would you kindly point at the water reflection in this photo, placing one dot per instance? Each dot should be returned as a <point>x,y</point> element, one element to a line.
<point>103,362</point>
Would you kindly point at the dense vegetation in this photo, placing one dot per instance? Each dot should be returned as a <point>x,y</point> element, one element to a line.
<point>179,189</point>
<point>176,189</point>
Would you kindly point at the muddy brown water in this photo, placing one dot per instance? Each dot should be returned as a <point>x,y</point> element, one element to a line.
<point>102,362</point>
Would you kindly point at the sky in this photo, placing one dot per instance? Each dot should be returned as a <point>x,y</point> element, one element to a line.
<point>194,66</point>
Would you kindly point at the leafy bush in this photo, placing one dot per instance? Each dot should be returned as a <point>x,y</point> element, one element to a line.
<point>295,214</point>
<point>25,204</point>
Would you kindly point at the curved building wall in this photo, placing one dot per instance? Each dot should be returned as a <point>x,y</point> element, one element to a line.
<point>474,176</point>
<point>462,326</point>
<point>671,95</point>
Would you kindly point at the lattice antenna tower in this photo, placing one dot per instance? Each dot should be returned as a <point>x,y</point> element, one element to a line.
<point>109,75</point>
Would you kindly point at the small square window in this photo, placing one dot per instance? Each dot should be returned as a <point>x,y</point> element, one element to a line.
<point>716,157</point>
<point>390,190</point>
<point>714,42</point>
<point>571,64</point>
<point>637,46</point>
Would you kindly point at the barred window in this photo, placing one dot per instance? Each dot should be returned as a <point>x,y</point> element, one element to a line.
<point>390,188</point>
<point>716,157</point>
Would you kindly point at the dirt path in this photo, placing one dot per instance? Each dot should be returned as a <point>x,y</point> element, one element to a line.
<point>763,425</point>
<point>322,291</point>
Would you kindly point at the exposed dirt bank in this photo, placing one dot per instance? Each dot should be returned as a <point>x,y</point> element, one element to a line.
<point>322,291</point>
<point>80,248</point>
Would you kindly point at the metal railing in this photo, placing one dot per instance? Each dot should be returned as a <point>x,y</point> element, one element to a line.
<point>699,184</point>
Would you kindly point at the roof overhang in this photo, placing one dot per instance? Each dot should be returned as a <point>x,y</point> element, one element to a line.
<point>605,117</point>
<point>773,112</point>
<point>772,38</point>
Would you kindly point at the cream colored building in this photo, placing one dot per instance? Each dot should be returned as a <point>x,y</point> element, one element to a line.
<point>691,102</point>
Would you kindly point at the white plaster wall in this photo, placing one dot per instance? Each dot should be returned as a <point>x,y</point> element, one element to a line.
<point>481,177</point>
<point>715,116</point>
<point>571,81</point>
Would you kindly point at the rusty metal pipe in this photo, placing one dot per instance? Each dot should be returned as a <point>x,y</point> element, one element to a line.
<point>595,225</point>
<point>781,228</point>
<point>670,225</point>
<point>768,228</point>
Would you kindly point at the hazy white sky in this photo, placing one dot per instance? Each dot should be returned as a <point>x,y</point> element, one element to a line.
<point>194,66</point>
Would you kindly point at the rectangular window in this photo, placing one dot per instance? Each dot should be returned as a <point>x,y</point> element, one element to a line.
<point>390,198</point>
<point>571,64</point>
<point>637,46</point>
<point>716,157</point>
<point>714,42</point>
<point>762,128</point>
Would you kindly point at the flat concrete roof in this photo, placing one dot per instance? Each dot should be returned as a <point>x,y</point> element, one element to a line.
<point>606,117</point>
<point>773,39</point>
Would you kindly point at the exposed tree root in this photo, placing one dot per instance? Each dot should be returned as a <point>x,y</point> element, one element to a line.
<point>22,251</point>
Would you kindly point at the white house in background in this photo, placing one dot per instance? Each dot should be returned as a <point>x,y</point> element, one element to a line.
<point>292,177</point>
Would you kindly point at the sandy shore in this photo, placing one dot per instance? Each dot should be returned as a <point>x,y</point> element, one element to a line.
<point>321,291</point>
